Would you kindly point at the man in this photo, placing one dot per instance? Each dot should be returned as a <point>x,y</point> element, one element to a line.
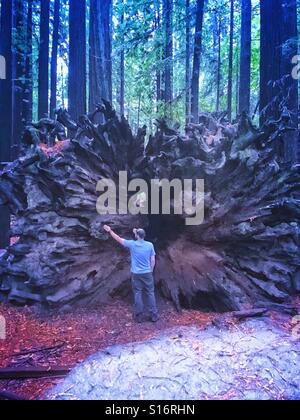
<point>142,266</point>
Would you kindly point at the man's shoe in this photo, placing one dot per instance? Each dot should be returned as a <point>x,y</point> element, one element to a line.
<point>139,318</point>
<point>155,318</point>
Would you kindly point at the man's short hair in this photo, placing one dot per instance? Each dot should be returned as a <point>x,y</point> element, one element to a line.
<point>141,233</point>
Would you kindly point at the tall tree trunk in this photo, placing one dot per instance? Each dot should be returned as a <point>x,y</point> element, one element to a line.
<point>19,49</point>
<point>77,59</point>
<point>290,50</point>
<point>270,58</point>
<point>122,65</point>
<point>230,69</point>
<point>245,65</point>
<point>197,60</point>
<point>278,88</point>
<point>54,54</point>
<point>62,86</point>
<point>159,58</point>
<point>139,112</point>
<point>43,94</point>
<point>237,83</point>
<point>122,83</point>
<point>218,64</point>
<point>100,76</point>
<point>28,103</point>
<point>188,62</point>
<point>6,82</point>
<point>6,104</point>
<point>219,67</point>
<point>168,71</point>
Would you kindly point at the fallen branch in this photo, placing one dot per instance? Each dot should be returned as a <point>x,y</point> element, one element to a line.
<point>226,319</point>
<point>9,396</point>
<point>282,307</point>
<point>32,373</point>
<point>40,350</point>
<point>252,313</point>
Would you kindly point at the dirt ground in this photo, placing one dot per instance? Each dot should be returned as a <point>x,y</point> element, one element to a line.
<point>68,339</point>
<point>77,335</point>
<point>255,359</point>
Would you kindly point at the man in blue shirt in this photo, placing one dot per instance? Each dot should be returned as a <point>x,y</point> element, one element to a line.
<point>142,266</point>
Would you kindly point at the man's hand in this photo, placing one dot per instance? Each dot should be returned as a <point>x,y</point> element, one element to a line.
<point>153,263</point>
<point>113,234</point>
<point>107,228</point>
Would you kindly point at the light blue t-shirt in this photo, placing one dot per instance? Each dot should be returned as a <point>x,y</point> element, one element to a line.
<point>141,253</point>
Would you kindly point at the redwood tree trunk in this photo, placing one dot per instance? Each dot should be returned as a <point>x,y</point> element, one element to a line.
<point>28,67</point>
<point>53,89</point>
<point>6,106</point>
<point>6,83</point>
<point>19,49</point>
<point>290,50</point>
<point>159,57</point>
<point>230,64</point>
<point>168,71</point>
<point>188,62</point>
<point>100,76</point>
<point>219,66</point>
<point>270,58</point>
<point>122,67</point>
<point>278,90</point>
<point>197,60</point>
<point>43,82</point>
<point>245,65</point>
<point>77,57</point>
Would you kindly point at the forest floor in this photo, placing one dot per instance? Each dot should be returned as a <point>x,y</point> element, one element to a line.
<point>69,339</point>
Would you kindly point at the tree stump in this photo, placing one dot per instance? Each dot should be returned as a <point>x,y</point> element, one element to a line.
<point>244,254</point>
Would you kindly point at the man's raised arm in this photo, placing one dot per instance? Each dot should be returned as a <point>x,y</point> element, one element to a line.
<point>114,235</point>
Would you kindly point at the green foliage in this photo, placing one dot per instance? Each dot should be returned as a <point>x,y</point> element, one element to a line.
<point>143,42</point>
<point>138,30</point>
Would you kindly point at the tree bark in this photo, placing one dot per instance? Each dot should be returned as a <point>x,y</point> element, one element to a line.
<point>19,52</point>
<point>270,58</point>
<point>100,76</point>
<point>188,62</point>
<point>243,254</point>
<point>43,82</point>
<point>6,82</point>
<point>230,64</point>
<point>122,66</point>
<point>159,58</point>
<point>6,115</point>
<point>289,51</point>
<point>245,57</point>
<point>168,70</point>
<point>77,57</point>
<point>219,66</point>
<point>28,94</point>
<point>54,54</point>
<point>197,60</point>
<point>279,90</point>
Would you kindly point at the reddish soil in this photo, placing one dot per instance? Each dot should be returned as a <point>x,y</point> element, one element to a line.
<point>81,332</point>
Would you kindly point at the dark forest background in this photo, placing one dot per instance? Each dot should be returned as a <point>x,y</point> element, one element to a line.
<point>170,58</point>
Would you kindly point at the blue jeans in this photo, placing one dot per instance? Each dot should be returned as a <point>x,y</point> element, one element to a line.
<point>144,283</point>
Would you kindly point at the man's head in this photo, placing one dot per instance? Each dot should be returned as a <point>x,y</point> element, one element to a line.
<point>139,234</point>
